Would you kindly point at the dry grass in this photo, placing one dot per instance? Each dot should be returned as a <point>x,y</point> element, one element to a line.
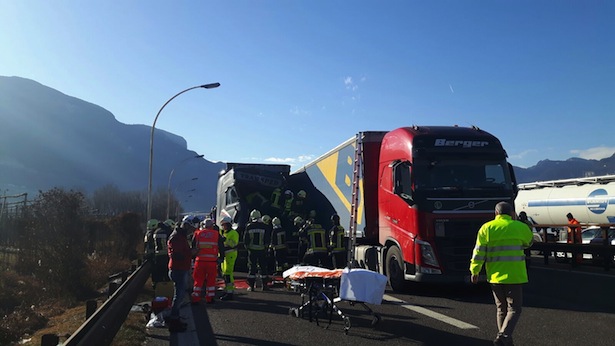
<point>63,322</point>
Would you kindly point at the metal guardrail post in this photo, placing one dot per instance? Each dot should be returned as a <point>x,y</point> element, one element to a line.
<point>50,340</point>
<point>90,308</point>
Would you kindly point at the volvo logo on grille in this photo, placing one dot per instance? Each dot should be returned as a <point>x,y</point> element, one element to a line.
<point>471,205</point>
<point>437,205</point>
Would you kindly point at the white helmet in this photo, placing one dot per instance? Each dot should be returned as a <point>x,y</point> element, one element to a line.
<point>226,219</point>
<point>191,220</point>
<point>298,220</point>
<point>302,194</point>
<point>255,214</point>
<point>276,221</point>
<point>266,219</point>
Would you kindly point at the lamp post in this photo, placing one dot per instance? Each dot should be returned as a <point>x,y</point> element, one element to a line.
<point>151,143</point>
<point>171,176</point>
<point>169,197</point>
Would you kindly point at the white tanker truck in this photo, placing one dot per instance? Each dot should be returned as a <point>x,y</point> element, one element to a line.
<point>590,200</point>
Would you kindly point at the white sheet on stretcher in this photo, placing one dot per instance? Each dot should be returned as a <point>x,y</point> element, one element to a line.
<point>359,285</point>
<point>362,285</point>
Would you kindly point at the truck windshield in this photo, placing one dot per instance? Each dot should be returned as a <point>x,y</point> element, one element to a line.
<point>461,174</point>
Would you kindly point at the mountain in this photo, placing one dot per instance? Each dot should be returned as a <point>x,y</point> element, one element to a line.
<point>571,168</point>
<point>49,139</point>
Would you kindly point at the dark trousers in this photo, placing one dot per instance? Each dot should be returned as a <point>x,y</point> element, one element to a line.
<point>256,259</point>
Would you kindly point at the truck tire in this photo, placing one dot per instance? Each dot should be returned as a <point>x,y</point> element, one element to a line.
<point>394,269</point>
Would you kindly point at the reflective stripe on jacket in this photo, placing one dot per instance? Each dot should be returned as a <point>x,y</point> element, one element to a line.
<point>499,246</point>
<point>337,239</point>
<point>206,241</point>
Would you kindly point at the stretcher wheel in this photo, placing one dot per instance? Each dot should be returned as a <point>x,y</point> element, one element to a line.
<point>376,320</point>
<point>346,325</point>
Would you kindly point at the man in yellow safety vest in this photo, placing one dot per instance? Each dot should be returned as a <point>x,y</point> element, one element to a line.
<point>499,247</point>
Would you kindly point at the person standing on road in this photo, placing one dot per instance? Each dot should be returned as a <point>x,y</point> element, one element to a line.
<point>180,258</point>
<point>499,247</point>
<point>279,247</point>
<point>338,243</point>
<point>231,240</point>
<point>574,234</point>
<point>206,247</point>
<point>256,239</point>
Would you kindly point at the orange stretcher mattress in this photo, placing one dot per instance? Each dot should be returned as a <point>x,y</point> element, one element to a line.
<point>302,272</point>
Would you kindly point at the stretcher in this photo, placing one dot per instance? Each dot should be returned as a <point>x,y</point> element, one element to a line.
<point>321,289</point>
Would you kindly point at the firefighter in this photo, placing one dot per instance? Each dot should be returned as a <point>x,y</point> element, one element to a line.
<point>231,240</point>
<point>287,204</point>
<point>299,205</point>
<point>255,238</point>
<point>206,247</point>
<point>278,245</point>
<point>161,256</point>
<point>269,257</point>
<point>338,243</point>
<point>298,239</point>
<point>148,242</point>
<point>315,239</point>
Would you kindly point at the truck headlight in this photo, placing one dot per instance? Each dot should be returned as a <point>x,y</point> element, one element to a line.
<point>427,254</point>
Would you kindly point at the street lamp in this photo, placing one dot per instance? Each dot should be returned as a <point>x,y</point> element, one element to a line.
<point>151,143</point>
<point>171,176</point>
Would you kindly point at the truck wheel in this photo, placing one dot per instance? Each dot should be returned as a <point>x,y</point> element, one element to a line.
<point>395,271</point>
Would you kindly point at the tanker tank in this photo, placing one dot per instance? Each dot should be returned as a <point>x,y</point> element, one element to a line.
<point>590,200</point>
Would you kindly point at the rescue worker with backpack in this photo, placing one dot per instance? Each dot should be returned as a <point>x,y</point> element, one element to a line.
<point>230,239</point>
<point>255,239</point>
<point>314,237</point>
<point>207,247</point>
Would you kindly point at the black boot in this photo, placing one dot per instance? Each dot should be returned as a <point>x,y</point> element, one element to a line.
<point>227,296</point>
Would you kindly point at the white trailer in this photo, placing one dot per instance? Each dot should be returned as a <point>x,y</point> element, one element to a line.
<point>590,200</point>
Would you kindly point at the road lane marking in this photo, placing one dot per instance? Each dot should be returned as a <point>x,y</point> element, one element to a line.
<point>435,315</point>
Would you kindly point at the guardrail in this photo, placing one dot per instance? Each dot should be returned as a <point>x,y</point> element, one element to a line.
<point>103,324</point>
<point>601,254</point>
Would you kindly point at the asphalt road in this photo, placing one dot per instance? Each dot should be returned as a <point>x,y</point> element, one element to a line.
<point>426,315</point>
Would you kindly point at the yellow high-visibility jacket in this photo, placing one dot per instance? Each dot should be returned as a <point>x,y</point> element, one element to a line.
<point>499,246</point>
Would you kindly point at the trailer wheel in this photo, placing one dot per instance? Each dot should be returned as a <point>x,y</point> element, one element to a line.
<point>395,271</point>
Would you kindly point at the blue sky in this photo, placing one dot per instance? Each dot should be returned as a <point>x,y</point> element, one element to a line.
<point>300,77</point>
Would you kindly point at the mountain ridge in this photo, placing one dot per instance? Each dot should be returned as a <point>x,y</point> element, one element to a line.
<point>50,139</point>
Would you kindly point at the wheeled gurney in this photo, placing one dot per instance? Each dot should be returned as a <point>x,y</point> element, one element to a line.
<point>321,289</point>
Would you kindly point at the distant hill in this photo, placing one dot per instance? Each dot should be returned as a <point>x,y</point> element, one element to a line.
<point>49,139</point>
<point>571,168</point>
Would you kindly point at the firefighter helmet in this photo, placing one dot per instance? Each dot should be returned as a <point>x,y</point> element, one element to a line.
<point>276,221</point>
<point>266,219</point>
<point>255,214</point>
<point>152,224</point>
<point>335,217</point>
<point>298,220</point>
<point>191,220</point>
<point>170,223</point>
<point>301,194</point>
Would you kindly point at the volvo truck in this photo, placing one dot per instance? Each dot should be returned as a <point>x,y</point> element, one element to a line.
<point>412,199</point>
